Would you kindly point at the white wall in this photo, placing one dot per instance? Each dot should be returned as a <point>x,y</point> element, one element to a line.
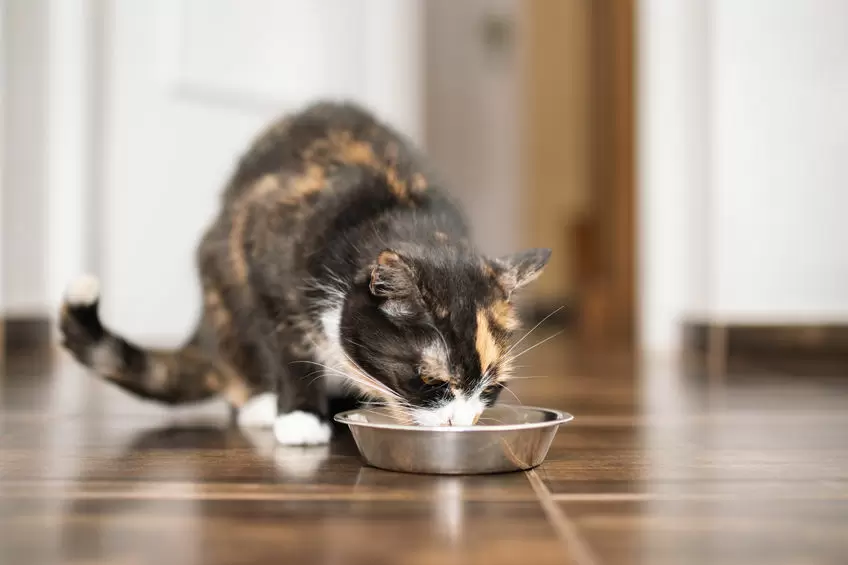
<point>71,107</point>
<point>23,224</point>
<point>45,151</point>
<point>743,138</point>
<point>673,166</point>
<point>780,145</point>
<point>2,165</point>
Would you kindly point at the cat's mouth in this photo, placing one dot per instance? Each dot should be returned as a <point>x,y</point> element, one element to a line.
<point>458,412</point>
<point>474,421</point>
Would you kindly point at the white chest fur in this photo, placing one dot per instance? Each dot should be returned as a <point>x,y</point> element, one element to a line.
<point>330,353</point>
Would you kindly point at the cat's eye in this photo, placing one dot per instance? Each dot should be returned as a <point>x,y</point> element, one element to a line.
<point>428,379</point>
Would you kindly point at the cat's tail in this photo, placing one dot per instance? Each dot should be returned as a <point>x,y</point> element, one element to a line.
<point>180,376</point>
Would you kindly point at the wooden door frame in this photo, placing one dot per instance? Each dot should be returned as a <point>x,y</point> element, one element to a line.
<point>580,159</point>
<point>612,165</point>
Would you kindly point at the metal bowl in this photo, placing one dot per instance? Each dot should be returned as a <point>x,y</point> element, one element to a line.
<point>508,438</point>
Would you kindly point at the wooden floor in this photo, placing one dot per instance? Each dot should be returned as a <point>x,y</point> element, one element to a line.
<point>657,468</point>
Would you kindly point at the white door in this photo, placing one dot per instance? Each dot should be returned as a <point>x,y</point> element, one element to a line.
<point>186,84</point>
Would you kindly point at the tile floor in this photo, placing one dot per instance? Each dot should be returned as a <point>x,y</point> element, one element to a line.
<point>657,468</point>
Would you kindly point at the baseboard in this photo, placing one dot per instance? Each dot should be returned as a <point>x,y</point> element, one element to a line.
<point>789,348</point>
<point>25,334</point>
<point>812,339</point>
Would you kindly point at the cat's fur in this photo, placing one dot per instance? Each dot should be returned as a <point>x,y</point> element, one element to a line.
<point>335,244</point>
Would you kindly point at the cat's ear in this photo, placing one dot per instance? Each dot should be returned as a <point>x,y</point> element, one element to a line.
<point>516,270</point>
<point>392,277</point>
<point>393,280</point>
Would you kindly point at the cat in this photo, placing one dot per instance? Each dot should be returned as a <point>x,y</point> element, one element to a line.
<point>337,260</point>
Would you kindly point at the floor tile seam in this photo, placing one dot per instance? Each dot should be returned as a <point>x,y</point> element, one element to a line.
<point>565,528</point>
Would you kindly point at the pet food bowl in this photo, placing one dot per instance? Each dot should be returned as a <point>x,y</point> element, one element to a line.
<point>508,438</point>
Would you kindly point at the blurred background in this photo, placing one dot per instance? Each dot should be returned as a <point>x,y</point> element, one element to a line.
<point>684,159</point>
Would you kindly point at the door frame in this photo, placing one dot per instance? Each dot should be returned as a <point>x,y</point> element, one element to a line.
<point>579,160</point>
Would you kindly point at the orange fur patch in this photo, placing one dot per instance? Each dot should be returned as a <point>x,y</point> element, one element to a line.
<point>236,245</point>
<point>503,315</point>
<point>358,153</point>
<point>260,189</point>
<point>435,374</point>
<point>267,190</point>
<point>388,258</point>
<point>341,146</point>
<point>487,347</point>
<point>396,184</point>
<point>308,183</point>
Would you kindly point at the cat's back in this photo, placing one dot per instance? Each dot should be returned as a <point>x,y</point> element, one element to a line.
<point>315,182</point>
<point>300,152</point>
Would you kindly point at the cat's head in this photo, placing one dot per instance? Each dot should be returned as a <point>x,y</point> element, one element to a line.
<point>433,329</point>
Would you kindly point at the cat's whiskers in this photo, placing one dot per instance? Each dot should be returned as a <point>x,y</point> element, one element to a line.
<point>342,285</point>
<point>396,398</point>
<point>373,411</point>
<point>515,396</point>
<point>490,419</point>
<point>318,373</point>
<point>529,349</point>
<point>510,407</point>
<point>368,383</point>
<point>514,345</point>
<point>362,373</point>
<point>324,367</point>
<point>401,415</point>
<point>399,407</point>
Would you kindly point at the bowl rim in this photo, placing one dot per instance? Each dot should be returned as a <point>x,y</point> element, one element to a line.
<point>561,417</point>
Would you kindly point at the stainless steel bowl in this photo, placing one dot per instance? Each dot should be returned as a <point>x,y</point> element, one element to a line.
<point>508,438</point>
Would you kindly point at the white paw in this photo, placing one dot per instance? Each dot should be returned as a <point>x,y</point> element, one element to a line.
<point>83,291</point>
<point>301,428</point>
<point>259,412</point>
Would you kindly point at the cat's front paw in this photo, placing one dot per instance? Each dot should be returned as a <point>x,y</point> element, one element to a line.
<point>301,428</point>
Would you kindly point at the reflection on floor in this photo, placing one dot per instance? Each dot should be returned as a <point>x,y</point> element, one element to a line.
<point>657,468</point>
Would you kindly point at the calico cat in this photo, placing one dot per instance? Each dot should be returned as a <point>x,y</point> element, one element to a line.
<point>336,259</point>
